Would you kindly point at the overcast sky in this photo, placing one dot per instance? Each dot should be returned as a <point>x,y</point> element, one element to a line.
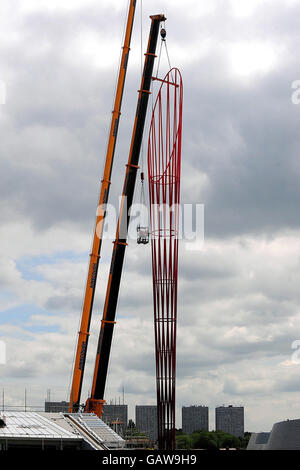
<point>238,306</point>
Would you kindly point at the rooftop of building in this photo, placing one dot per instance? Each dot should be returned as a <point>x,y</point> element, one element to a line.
<point>84,429</point>
<point>35,425</point>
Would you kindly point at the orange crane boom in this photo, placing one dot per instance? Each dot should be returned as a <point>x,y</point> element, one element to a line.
<point>83,334</point>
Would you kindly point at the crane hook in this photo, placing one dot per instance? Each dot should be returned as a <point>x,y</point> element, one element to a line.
<point>163,34</point>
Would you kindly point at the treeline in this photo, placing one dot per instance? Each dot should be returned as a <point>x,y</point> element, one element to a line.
<point>211,440</point>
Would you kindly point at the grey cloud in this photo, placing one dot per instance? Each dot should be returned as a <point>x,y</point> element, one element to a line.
<point>244,139</point>
<point>63,303</point>
<point>241,139</point>
<point>291,384</point>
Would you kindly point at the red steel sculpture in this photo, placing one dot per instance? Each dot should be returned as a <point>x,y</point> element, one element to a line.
<point>164,161</point>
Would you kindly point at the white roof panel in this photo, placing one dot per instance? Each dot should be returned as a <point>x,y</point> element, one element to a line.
<point>31,424</point>
<point>101,430</point>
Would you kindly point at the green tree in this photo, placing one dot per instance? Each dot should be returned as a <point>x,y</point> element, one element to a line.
<point>184,441</point>
<point>204,440</point>
<point>211,440</point>
<point>244,440</point>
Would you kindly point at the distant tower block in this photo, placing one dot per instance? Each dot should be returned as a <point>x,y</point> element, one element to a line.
<point>230,419</point>
<point>146,420</point>
<point>164,156</point>
<point>194,418</point>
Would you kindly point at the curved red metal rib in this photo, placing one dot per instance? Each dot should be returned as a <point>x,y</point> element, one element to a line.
<point>164,162</point>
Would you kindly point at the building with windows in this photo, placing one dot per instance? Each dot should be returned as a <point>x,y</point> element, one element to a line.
<point>230,419</point>
<point>146,420</point>
<point>56,406</point>
<point>194,418</point>
<point>116,416</point>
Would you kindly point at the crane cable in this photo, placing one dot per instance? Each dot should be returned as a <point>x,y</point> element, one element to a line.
<point>142,194</point>
<point>144,219</point>
<point>141,41</point>
<point>163,41</point>
<point>163,35</point>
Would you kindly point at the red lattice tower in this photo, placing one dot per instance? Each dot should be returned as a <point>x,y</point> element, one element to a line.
<point>164,158</point>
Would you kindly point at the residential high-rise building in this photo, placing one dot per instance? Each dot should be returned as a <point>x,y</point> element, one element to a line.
<point>116,417</point>
<point>146,420</point>
<point>194,418</point>
<point>230,419</point>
